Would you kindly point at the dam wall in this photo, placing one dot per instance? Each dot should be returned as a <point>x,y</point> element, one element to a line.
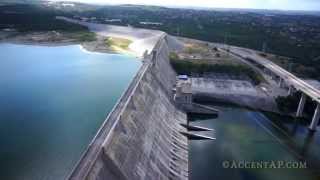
<point>140,139</point>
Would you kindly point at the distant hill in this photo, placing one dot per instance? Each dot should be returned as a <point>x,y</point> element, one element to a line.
<point>155,8</point>
<point>6,2</point>
<point>19,1</point>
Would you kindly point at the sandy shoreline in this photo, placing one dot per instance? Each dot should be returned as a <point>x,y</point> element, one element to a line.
<point>100,46</point>
<point>83,46</point>
<point>97,46</point>
<point>142,39</point>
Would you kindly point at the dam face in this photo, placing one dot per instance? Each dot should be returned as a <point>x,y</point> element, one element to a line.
<point>140,139</point>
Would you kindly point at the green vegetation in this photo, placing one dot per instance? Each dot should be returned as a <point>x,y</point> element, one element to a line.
<point>294,36</point>
<point>196,49</point>
<point>173,56</point>
<point>83,36</point>
<point>298,69</point>
<point>121,43</point>
<point>290,35</point>
<point>290,104</point>
<point>27,18</point>
<point>186,67</point>
<point>36,18</point>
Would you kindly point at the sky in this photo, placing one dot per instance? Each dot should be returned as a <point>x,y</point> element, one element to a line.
<point>254,4</point>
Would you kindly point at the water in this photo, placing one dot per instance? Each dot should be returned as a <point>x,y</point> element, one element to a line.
<point>243,135</point>
<point>52,101</point>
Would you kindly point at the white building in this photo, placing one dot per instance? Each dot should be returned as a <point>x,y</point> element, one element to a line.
<point>183,94</point>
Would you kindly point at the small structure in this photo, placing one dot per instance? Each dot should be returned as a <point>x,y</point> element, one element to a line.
<point>183,95</point>
<point>151,23</point>
<point>67,4</point>
<point>183,77</point>
<point>113,20</point>
<point>183,98</point>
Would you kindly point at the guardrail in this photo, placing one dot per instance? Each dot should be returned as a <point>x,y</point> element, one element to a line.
<point>288,77</point>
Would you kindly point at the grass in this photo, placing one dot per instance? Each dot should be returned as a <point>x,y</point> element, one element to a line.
<point>188,67</point>
<point>299,70</point>
<point>290,104</point>
<point>83,36</point>
<point>41,19</point>
<point>118,43</point>
<point>195,48</point>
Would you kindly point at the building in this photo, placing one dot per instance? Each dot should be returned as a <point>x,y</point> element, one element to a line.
<point>183,94</point>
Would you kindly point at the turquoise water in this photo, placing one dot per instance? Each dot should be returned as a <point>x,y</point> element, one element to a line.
<point>52,101</point>
<point>244,135</point>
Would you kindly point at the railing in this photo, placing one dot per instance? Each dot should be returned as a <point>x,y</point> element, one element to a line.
<point>291,79</point>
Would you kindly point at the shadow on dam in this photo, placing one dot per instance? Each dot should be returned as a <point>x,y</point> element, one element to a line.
<point>245,138</point>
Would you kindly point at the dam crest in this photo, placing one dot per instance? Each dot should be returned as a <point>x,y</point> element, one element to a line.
<point>141,139</point>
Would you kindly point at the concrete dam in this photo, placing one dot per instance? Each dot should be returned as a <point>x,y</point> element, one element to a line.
<point>141,139</point>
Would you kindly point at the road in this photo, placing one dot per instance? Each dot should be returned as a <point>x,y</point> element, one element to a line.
<point>288,77</point>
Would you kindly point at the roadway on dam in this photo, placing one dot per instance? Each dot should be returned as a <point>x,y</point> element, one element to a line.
<point>140,138</point>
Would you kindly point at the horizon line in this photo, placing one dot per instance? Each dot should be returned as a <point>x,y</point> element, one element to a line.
<point>183,7</point>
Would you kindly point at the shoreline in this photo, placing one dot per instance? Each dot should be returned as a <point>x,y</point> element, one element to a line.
<point>99,46</point>
<point>96,46</point>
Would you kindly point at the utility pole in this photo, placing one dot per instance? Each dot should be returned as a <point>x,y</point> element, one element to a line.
<point>290,67</point>
<point>225,40</point>
<point>264,47</point>
<point>226,46</point>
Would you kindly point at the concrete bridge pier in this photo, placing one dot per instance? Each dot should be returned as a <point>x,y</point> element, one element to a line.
<point>315,119</point>
<point>290,91</point>
<point>280,82</point>
<point>267,71</point>
<point>301,105</point>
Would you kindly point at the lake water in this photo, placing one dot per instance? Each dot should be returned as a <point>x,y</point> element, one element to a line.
<point>246,136</point>
<point>52,102</point>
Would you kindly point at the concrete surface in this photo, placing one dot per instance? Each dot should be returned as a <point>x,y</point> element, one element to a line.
<point>240,92</point>
<point>140,139</point>
<point>286,76</point>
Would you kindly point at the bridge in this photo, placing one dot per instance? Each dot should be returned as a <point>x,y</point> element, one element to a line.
<point>284,77</point>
